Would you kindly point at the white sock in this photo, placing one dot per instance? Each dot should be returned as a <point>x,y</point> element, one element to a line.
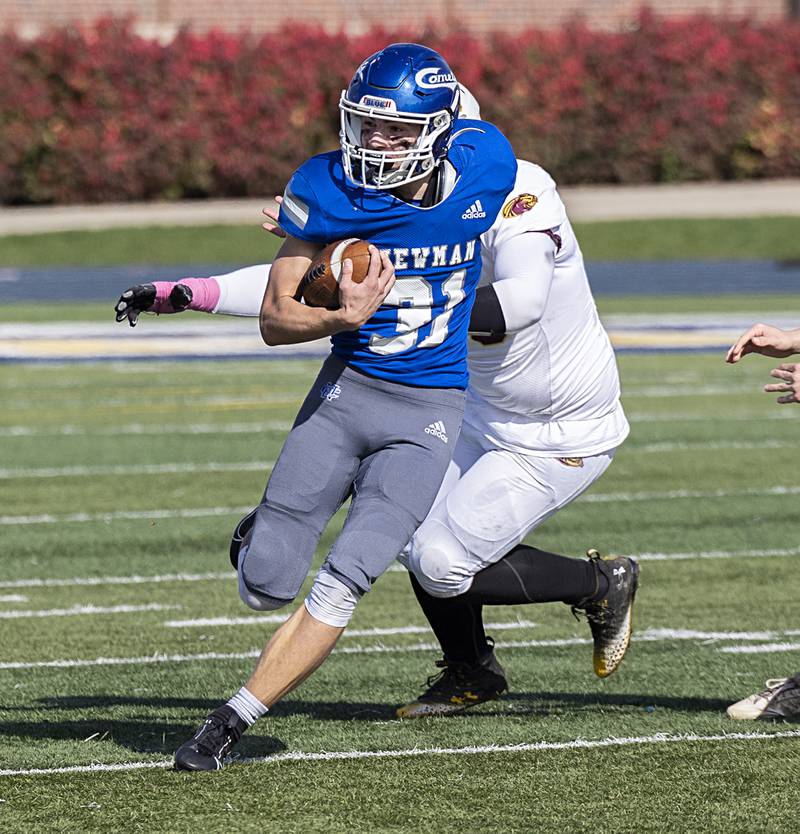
<point>247,706</point>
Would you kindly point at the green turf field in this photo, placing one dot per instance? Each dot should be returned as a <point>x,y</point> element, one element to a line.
<point>119,490</point>
<point>122,627</point>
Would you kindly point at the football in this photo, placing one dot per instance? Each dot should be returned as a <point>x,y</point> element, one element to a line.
<point>319,287</point>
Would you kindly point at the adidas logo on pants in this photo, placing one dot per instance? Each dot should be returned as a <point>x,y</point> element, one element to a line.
<point>437,429</point>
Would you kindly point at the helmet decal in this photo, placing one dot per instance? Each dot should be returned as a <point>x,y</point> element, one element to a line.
<point>378,102</point>
<point>433,77</point>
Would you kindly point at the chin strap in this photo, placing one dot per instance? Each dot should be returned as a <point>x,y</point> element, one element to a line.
<point>441,185</point>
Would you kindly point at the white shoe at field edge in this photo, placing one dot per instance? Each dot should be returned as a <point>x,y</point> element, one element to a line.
<point>779,699</point>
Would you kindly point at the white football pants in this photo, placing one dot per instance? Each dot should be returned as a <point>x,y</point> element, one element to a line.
<point>489,501</point>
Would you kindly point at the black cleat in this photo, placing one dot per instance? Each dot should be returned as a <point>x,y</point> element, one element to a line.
<point>242,529</point>
<point>207,748</point>
<point>779,699</point>
<point>457,687</point>
<point>610,617</point>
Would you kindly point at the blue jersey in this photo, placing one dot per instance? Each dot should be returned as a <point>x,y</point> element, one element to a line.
<point>419,334</point>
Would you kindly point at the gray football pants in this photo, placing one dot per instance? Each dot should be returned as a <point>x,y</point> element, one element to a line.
<point>387,444</point>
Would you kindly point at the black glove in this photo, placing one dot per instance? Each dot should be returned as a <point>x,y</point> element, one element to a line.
<point>133,301</point>
<point>141,298</point>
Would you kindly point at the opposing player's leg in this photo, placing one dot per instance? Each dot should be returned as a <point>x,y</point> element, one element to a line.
<point>457,558</point>
<point>470,673</point>
<point>501,498</point>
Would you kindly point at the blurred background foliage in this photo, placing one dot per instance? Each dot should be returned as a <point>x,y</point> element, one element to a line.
<point>97,113</point>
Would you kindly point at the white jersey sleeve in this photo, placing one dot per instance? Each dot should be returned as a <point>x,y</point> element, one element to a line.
<point>520,248</point>
<point>533,206</point>
<point>523,275</point>
<point>551,386</point>
<point>242,291</point>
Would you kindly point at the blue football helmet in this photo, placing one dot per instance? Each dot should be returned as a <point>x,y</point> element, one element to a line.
<point>405,83</point>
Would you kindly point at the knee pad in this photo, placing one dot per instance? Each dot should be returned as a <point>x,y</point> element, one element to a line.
<point>439,560</point>
<point>253,599</point>
<point>331,601</point>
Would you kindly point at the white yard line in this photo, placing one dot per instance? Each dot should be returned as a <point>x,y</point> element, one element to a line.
<point>763,648</point>
<point>79,581</point>
<point>228,621</point>
<point>71,429</point>
<point>129,661</point>
<point>530,747</point>
<point>662,448</point>
<point>173,468</point>
<point>658,634</point>
<point>161,402</point>
<point>647,636</point>
<point>136,469</point>
<point>594,498</point>
<point>678,494</point>
<point>717,554</point>
<point>123,515</point>
<point>83,610</point>
<point>738,417</point>
<point>228,575</point>
<point>354,632</point>
<point>12,598</point>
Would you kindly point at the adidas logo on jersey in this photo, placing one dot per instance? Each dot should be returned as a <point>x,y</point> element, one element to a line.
<point>437,429</point>
<point>474,212</point>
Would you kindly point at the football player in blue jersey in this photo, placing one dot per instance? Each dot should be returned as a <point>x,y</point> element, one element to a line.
<point>381,420</point>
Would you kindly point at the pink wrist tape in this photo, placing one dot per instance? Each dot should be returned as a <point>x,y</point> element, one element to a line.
<point>205,295</point>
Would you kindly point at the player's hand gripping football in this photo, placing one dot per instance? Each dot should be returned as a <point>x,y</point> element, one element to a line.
<point>359,302</point>
<point>142,298</point>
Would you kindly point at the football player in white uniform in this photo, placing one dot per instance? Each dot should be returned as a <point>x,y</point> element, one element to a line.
<point>542,422</point>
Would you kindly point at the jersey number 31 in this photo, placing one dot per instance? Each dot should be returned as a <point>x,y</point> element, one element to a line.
<point>413,298</point>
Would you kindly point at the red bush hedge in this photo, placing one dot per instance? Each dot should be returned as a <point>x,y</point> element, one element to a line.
<point>98,114</point>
